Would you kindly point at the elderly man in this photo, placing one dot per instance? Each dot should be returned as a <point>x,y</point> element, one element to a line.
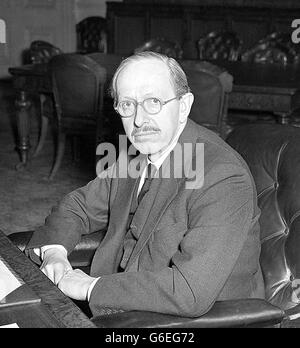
<point>183,244</point>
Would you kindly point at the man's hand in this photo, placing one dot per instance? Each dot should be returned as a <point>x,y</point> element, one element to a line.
<point>76,284</point>
<point>55,264</point>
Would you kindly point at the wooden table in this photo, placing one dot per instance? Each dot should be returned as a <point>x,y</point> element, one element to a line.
<point>257,87</point>
<point>269,88</point>
<point>54,310</point>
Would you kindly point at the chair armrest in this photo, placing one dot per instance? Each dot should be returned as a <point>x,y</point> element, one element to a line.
<point>81,256</point>
<point>84,251</point>
<point>21,239</point>
<point>231,313</point>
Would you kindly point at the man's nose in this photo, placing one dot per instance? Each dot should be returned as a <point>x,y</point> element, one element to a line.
<point>141,116</point>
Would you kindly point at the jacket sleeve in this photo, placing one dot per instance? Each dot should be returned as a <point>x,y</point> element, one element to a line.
<point>82,211</point>
<point>220,216</point>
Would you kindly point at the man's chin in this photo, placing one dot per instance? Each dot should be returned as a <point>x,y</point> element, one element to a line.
<point>147,149</point>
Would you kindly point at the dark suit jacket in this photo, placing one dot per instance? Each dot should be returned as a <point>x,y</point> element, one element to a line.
<point>194,246</point>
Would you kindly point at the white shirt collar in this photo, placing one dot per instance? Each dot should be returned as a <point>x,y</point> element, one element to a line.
<point>162,157</point>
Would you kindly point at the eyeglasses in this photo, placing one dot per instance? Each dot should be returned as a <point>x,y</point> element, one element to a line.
<point>153,105</point>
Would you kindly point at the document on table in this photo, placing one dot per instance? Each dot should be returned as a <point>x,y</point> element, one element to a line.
<point>8,281</point>
<point>13,290</point>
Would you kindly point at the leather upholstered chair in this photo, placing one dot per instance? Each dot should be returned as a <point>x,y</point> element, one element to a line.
<point>92,35</point>
<point>41,52</point>
<point>219,45</point>
<point>77,82</point>
<point>161,45</point>
<point>113,125</point>
<point>273,155</point>
<point>211,86</point>
<point>274,48</point>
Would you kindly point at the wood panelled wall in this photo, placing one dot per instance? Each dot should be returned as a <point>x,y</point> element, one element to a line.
<point>133,22</point>
<point>29,20</point>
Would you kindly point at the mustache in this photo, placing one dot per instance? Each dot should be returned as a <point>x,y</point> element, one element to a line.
<point>145,129</point>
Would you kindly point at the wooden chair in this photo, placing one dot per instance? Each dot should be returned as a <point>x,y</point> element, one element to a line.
<point>92,35</point>
<point>211,86</point>
<point>223,45</point>
<point>40,52</point>
<point>113,125</point>
<point>276,48</point>
<point>78,83</point>
<point>161,45</point>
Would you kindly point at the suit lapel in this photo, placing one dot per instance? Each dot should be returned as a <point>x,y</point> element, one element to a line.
<point>162,191</point>
<point>108,254</point>
<point>112,244</point>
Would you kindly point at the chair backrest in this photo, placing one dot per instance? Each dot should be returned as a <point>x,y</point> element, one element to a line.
<point>77,86</point>
<point>113,124</point>
<point>272,153</point>
<point>223,45</point>
<point>161,45</point>
<point>108,61</point>
<point>92,35</point>
<point>41,52</point>
<point>274,48</point>
<point>211,86</point>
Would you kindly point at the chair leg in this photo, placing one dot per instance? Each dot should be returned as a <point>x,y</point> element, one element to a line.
<point>61,141</point>
<point>43,135</point>
<point>44,125</point>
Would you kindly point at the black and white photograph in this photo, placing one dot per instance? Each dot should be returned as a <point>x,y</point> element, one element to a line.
<point>149,166</point>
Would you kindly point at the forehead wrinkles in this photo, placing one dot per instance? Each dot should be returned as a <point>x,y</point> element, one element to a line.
<point>145,73</point>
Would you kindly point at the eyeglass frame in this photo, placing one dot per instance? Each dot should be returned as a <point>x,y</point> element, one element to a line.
<point>136,103</point>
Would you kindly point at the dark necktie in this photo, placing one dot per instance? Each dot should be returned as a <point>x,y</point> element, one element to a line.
<point>136,199</point>
<point>147,182</point>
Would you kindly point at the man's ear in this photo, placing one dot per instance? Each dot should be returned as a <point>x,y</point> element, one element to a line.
<point>186,102</point>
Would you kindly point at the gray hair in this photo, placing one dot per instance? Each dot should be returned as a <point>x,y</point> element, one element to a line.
<point>178,76</point>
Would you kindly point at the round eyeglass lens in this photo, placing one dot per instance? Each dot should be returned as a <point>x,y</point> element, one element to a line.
<point>126,108</point>
<point>152,105</point>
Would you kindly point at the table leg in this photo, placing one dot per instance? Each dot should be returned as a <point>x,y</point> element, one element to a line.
<point>23,123</point>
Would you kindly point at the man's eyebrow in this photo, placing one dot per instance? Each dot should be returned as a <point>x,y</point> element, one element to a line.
<point>146,95</point>
<point>151,94</point>
<point>126,97</point>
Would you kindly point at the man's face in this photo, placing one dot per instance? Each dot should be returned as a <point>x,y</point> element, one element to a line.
<point>150,134</point>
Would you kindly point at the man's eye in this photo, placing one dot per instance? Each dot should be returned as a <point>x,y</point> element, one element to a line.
<point>154,101</point>
<point>126,104</point>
